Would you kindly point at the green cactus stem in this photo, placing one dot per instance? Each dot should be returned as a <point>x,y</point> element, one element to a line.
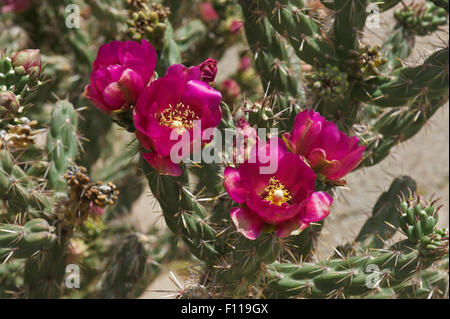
<point>269,51</point>
<point>130,269</point>
<point>348,22</point>
<point>405,84</point>
<point>422,18</point>
<point>357,275</point>
<point>17,241</point>
<point>304,35</point>
<point>418,218</point>
<point>183,213</point>
<point>18,191</point>
<point>62,142</point>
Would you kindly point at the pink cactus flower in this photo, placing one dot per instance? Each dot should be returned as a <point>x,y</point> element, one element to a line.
<point>119,74</point>
<point>169,105</point>
<point>209,70</point>
<point>15,6</point>
<point>207,12</point>
<point>284,202</point>
<point>236,26</point>
<point>331,153</point>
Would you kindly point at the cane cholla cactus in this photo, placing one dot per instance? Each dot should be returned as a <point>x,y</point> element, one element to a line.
<point>339,105</point>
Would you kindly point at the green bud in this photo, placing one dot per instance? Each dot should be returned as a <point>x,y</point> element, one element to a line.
<point>27,62</point>
<point>9,106</point>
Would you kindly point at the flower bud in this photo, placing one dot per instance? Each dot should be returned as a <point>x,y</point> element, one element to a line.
<point>9,105</point>
<point>209,70</point>
<point>28,62</point>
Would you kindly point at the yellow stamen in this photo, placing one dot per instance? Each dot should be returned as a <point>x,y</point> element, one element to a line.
<point>276,193</point>
<point>180,117</point>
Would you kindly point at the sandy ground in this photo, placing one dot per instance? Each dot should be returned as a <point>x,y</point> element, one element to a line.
<point>424,157</point>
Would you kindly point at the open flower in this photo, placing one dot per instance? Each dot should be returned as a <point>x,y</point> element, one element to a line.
<point>331,153</point>
<point>284,201</point>
<point>119,74</point>
<point>171,105</point>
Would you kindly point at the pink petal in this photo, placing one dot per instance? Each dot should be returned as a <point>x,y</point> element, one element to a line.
<point>234,186</point>
<point>92,95</point>
<point>113,96</point>
<point>306,129</point>
<point>349,163</point>
<point>131,85</point>
<point>318,161</point>
<point>246,223</point>
<point>269,213</point>
<point>187,74</point>
<point>316,207</point>
<point>291,227</point>
<point>162,164</point>
<point>200,96</point>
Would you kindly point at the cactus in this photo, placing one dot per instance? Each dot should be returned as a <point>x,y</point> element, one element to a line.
<point>354,275</point>
<point>27,240</point>
<point>422,19</point>
<point>349,276</point>
<point>19,193</point>
<point>338,103</point>
<point>121,281</point>
<point>62,142</point>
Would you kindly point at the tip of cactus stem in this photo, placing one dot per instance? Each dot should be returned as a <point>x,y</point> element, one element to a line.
<point>435,245</point>
<point>418,217</point>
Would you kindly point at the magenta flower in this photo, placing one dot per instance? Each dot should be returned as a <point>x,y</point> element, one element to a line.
<point>169,105</point>
<point>15,5</point>
<point>209,70</point>
<point>284,202</point>
<point>207,12</point>
<point>119,74</point>
<point>331,153</point>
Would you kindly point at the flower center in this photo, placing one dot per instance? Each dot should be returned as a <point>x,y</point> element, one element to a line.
<point>276,193</point>
<point>179,118</point>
